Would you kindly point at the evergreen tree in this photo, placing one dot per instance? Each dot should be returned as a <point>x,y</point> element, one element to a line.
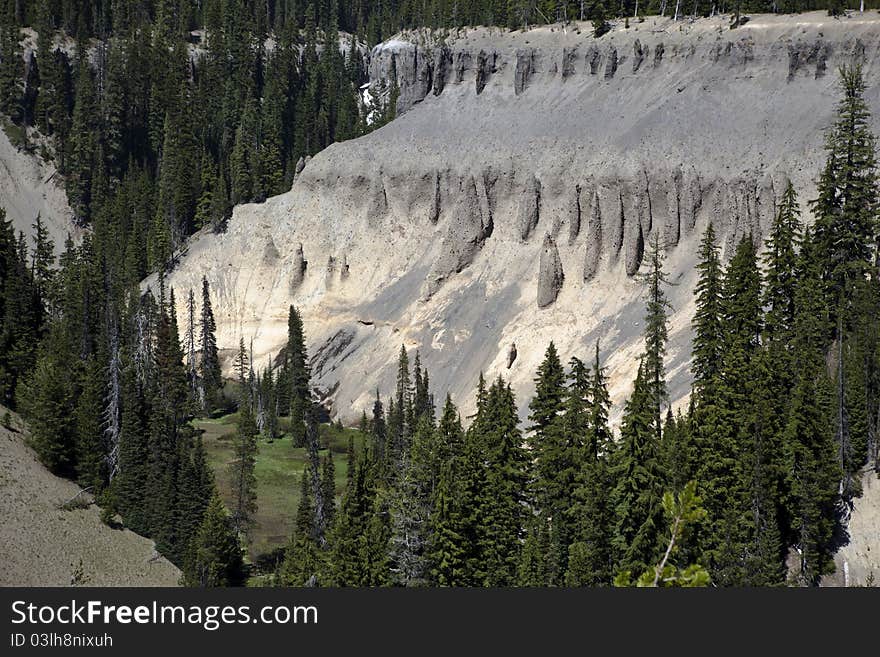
<point>302,558</point>
<point>129,486</point>
<point>846,205</point>
<point>446,552</point>
<point>298,364</point>
<point>11,70</point>
<point>500,506</point>
<point>216,555</point>
<point>47,398</point>
<point>656,333</point>
<point>638,491</point>
<point>90,454</point>
<point>209,364</point>
<point>590,556</point>
<point>328,484</point>
<point>242,470</point>
<point>379,434</point>
<point>707,319</point>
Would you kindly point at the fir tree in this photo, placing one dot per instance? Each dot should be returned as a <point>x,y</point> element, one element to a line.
<point>847,199</point>
<point>242,470</point>
<point>328,484</point>
<point>656,333</point>
<point>297,359</point>
<point>638,491</point>
<point>302,559</point>
<point>707,319</point>
<point>47,397</point>
<point>590,555</point>
<point>89,444</point>
<point>446,551</point>
<point>500,507</point>
<point>216,555</point>
<point>209,363</point>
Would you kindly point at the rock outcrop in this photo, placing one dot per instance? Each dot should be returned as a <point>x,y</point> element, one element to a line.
<point>525,63</point>
<point>436,213</point>
<point>550,274</point>
<point>299,267</point>
<point>529,207</point>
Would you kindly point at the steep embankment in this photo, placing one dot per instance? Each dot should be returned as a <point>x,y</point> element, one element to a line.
<point>28,187</point>
<point>46,545</point>
<point>511,202</point>
<point>858,562</point>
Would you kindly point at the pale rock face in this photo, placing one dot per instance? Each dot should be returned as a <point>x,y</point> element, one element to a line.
<point>550,274</point>
<point>30,186</point>
<point>602,145</point>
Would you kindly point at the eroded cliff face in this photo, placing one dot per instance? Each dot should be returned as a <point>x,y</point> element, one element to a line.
<point>514,198</point>
<point>29,186</point>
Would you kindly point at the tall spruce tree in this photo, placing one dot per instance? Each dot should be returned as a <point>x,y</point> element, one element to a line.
<point>216,558</point>
<point>244,482</point>
<point>656,332</point>
<point>298,365</point>
<point>302,557</point>
<point>639,479</point>
<point>590,554</point>
<point>707,320</point>
<point>209,362</point>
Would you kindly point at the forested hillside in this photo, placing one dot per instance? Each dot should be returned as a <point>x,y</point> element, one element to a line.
<point>159,130</point>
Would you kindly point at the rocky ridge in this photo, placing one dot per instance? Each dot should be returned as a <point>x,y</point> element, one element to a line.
<point>513,198</point>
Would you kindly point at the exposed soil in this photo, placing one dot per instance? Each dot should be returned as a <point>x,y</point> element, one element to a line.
<point>43,545</point>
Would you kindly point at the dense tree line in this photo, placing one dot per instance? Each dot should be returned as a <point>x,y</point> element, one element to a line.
<point>98,370</point>
<point>156,136</point>
<point>380,20</point>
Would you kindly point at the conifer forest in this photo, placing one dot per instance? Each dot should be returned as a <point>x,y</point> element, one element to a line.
<point>161,116</point>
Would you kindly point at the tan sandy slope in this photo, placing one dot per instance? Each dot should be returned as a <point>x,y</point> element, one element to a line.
<point>43,545</point>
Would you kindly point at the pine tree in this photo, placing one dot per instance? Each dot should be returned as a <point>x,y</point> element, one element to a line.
<point>244,482</point>
<point>298,364</point>
<point>591,514</point>
<point>210,377</point>
<point>656,333</point>
<point>90,454</point>
<point>302,558</point>
<point>707,319</point>
<point>216,555</point>
<point>638,476</point>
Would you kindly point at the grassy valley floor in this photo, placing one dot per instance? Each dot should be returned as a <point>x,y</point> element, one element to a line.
<point>279,469</point>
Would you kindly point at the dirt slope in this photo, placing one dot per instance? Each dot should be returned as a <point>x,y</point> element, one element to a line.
<point>860,559</point>
<point>43,545</point>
